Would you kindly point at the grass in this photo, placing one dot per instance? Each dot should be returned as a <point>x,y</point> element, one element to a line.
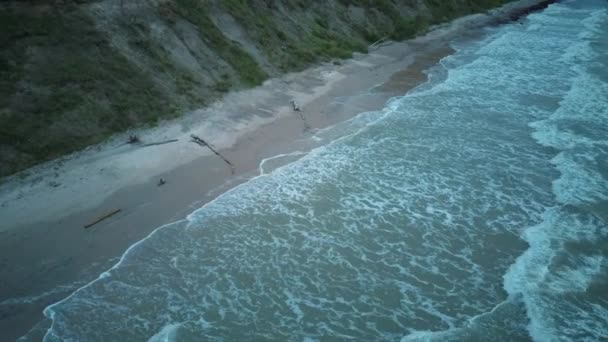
<point>249,72</point>
<point>261,26</point>
<point>77,91</point>
<point>224,84</point>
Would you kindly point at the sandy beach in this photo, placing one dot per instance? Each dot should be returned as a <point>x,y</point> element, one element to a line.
<point>46,251</point>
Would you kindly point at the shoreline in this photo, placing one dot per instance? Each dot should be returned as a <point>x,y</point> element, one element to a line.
<point>52,249</point>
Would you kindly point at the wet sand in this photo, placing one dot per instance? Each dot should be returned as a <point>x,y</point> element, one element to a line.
<point>47,253</point>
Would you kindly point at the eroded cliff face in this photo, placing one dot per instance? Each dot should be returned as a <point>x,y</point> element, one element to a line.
<point>74,72</point>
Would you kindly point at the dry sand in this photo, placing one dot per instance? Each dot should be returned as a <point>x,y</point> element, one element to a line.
<point>46,252</point>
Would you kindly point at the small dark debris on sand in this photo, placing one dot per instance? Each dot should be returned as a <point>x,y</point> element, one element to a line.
<point>133,139</point>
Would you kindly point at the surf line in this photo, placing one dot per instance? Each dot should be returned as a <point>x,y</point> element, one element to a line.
<point>261,167</point>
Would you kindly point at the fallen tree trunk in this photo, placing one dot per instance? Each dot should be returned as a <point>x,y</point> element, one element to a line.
<point>203,143</point>
<point>160,143</point>
<point>101,218</point>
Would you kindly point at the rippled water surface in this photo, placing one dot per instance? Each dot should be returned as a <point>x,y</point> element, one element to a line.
<point>474,208</point>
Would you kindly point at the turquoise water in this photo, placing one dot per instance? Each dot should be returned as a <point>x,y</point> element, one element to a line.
<point>474,208</point>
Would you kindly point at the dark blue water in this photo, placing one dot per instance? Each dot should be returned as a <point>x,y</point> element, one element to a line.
<point>473,208</point>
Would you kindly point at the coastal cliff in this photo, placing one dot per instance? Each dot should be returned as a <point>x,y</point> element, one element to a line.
<point>72,73</point>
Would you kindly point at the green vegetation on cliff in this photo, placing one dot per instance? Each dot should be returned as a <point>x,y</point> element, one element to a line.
<point>245,66</point>
<point>62,87</point>
<point>72,74</point>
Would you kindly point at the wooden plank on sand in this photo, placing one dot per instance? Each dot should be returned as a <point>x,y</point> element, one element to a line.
<point>160,143</point>
<point>101,218</point>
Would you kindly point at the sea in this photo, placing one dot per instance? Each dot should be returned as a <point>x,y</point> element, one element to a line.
<point>472,208</point>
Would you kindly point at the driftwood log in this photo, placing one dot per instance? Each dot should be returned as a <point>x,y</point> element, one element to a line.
<point>203,143</point>
<point>160,143</point>
<point>101,218</point>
